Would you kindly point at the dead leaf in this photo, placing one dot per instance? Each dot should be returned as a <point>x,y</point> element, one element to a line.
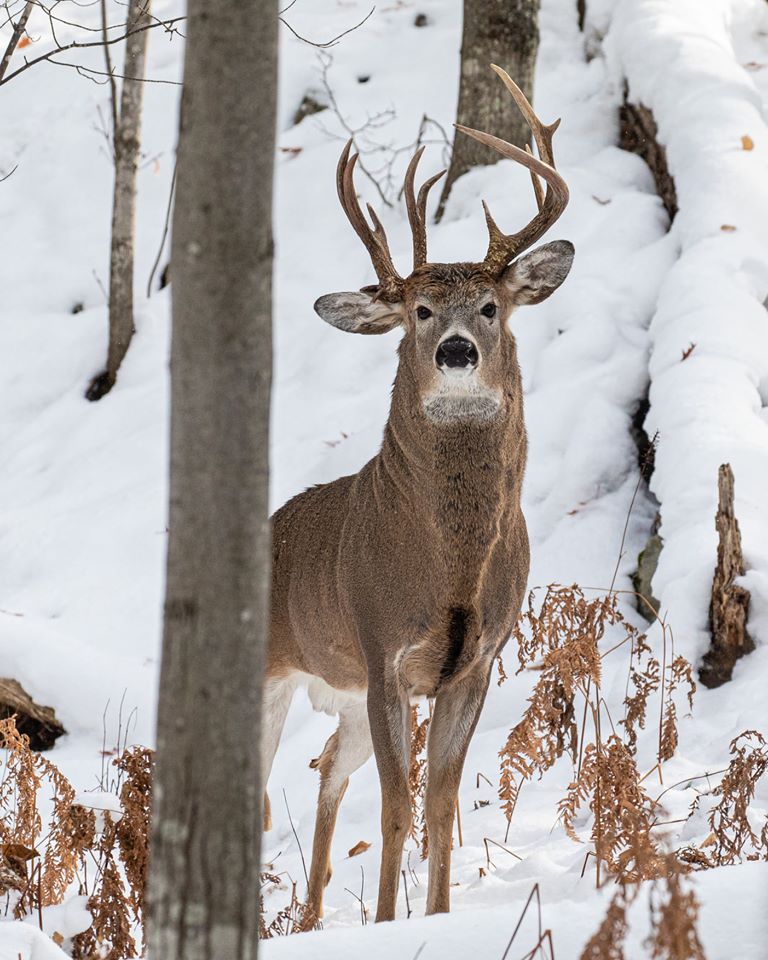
<point>17,851</point>
<point>24,42</point>
<point>728,228</point>
<point>710,840</point>
<point>57,938</point>
<point>747,143</point>
<point>360,847</point>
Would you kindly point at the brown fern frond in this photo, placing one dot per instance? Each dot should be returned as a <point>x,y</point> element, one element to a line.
<point>674,918</point>
<point>734,835</point>
<point>417,780</point>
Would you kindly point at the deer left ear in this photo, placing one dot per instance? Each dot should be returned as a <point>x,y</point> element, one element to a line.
<point>359,312</point>
<point>539,273</point>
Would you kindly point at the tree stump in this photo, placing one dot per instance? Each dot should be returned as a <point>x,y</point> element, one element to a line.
<point>36,722</point>
<point>729,608</point>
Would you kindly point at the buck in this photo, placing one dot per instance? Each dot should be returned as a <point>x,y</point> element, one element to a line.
<point>404,580</point>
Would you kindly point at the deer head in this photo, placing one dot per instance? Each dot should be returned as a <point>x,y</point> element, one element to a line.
<point>457,348</point>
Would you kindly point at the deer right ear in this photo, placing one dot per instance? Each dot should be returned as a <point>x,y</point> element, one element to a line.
<point>359,313</point>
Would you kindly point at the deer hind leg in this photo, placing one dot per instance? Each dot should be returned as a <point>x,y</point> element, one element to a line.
<point>390,719</point>
<point>457,708</point>
<point>346,750</point>
<point>276,700</point>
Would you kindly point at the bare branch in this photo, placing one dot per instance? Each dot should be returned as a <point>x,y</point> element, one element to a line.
<point>327,43</point>
<point>168,25</point>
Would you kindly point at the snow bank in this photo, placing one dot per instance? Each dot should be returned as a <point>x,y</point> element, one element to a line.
<point>712,407</point>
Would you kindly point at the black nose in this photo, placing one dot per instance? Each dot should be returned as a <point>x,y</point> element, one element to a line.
<point>456,352</point>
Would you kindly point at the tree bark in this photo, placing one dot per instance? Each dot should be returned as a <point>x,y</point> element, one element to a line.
<point>729,608</point>
<point>204,875</point>
<point>127,150</point>
<point>504,32</point>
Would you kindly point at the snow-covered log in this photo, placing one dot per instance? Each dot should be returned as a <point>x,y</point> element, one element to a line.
<point>709,336</point>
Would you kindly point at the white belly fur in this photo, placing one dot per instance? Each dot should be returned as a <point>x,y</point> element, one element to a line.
<point>327,699</point>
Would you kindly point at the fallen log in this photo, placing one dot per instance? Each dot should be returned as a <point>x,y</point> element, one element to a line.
<point>35,721</point>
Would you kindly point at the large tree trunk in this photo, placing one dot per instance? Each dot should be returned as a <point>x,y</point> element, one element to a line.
<point>204,875</point>
<point>127,150</point>
<point>504,32</point>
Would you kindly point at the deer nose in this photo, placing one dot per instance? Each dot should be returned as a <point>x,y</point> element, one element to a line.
<point>456,352</point>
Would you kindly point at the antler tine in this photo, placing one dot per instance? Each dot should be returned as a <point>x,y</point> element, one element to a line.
<point>375,240</point>
<point>537,187</point>
<point>417,208</point>
<point>542,132</point>
<point>502,248</point>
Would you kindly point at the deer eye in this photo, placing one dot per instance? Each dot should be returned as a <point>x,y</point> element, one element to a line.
<point>423,313</point>
<point>488,310</point>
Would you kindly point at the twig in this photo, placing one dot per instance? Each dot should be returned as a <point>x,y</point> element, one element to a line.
<point>327,43</point>
<point>363,911</point>
<point>489,862</point>
<point>166,226</point>
<point>325,61</point>
<point>108,63</point>
<point>534,892</point>
<point>298,842</point>
<point>405,891</point>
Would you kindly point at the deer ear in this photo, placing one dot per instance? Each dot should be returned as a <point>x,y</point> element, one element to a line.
<point>539,273</point>
<point>358,312</point>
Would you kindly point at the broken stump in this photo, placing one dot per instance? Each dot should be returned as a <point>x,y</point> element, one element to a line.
<point>36,722</point>
<point>729,607</point>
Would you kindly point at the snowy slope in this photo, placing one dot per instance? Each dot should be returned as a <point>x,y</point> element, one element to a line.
<point>83,489</point>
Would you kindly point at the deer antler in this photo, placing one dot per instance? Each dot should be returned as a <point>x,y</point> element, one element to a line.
<point>417,209</point>
<point>375,240</point>
<point>502,247</point>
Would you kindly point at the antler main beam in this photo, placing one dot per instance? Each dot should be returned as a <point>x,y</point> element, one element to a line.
<point>374,239</point>
<point>502,247</point>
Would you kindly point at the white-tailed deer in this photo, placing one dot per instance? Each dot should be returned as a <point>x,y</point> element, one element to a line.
<point>405,579</point>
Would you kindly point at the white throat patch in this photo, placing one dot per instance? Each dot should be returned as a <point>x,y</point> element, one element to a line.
<point>460,395</point>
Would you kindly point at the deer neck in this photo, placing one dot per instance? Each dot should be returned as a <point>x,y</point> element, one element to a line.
<point>461,481</point>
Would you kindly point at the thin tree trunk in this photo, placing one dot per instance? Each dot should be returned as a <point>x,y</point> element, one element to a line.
<point>127,150</point>
<point>204,874</point>
<point>504,32</point>
<point>16,33</point>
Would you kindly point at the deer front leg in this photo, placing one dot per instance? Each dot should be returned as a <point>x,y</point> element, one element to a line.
<point>390,731</point>
<point>345,752</point>
<point>457,708</point>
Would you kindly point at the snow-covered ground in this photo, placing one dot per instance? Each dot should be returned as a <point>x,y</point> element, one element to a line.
<point>83,486</point>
